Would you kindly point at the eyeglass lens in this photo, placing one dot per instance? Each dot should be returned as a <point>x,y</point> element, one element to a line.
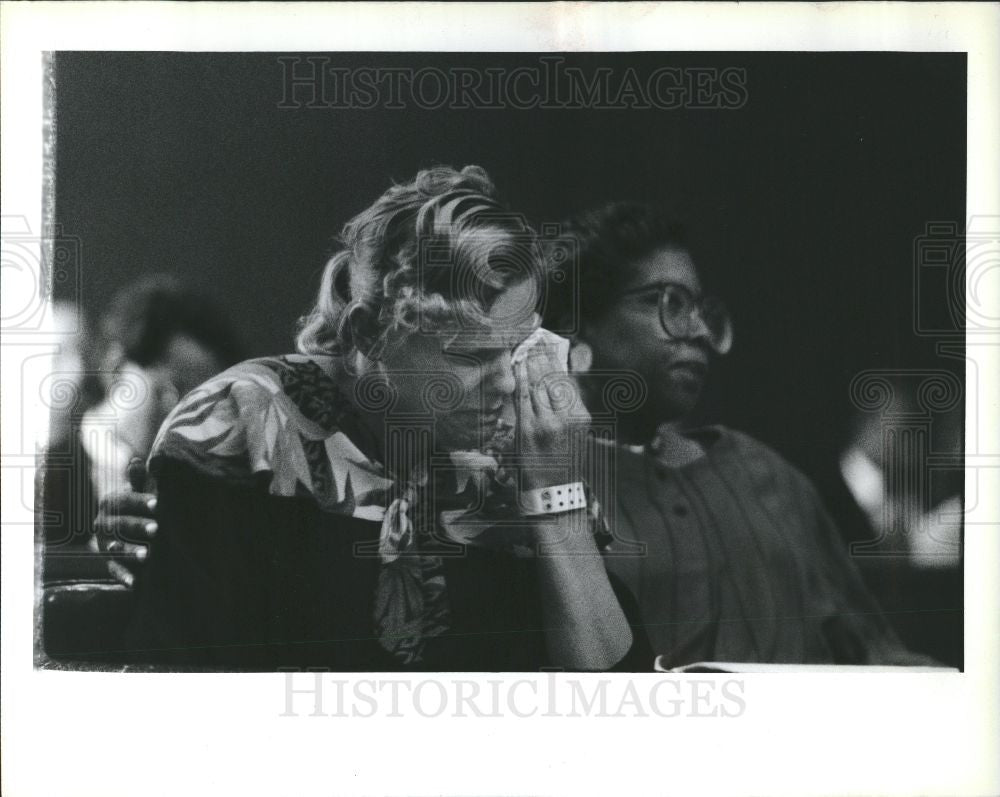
<point>678,308</point>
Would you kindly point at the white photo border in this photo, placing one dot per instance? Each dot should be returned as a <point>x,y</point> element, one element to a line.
<point>105,733</point>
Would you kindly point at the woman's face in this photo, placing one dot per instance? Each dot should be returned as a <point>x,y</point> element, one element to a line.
<point>631,336</point>
<point>464,380</point>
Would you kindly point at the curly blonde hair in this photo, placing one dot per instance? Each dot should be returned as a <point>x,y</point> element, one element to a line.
<point>431,254</point>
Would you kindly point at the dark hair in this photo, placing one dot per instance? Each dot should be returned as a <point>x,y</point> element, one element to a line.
<point>607,241</point>
<point>145,316</point>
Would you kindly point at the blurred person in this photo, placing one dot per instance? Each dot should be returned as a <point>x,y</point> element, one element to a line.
<point>65,502</point>
<point>726,547</point>
<point>111,391</point>
<point>892,485</point>
<point>72,389</point>
<point>902,466</point>
<point>301,516</point>
<point>158,340</point>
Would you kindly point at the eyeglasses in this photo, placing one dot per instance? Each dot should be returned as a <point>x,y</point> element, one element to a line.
<point>681,311</point>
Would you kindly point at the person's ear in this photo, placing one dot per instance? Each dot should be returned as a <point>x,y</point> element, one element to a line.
<point>112,361</point>
<point>363,339</point>
<point>581,357</point>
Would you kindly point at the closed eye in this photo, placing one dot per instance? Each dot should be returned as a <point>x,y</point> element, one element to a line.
<point>462,355</point>
<point>473,356</point>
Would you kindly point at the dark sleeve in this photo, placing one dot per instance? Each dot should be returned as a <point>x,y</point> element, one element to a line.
<point>853,625</point>
<point>239,579</point>
<point>640,656</point>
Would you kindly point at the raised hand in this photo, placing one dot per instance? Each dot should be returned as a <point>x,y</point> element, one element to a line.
<point>549,411</point>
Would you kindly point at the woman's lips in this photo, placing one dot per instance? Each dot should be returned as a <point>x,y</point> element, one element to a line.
<point>693,368</point>
<point>487,418</point>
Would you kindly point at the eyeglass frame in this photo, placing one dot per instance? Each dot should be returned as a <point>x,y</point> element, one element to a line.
<point>698,302</point>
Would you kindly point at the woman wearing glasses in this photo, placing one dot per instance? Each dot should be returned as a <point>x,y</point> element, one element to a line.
<point>725,546</point>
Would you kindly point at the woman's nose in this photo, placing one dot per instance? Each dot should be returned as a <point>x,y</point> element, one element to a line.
<point>698,329</point>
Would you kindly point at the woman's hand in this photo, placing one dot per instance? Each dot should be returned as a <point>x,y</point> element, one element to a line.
<point>585,627</point>
<point>125,525</point>
<point>550,414</point>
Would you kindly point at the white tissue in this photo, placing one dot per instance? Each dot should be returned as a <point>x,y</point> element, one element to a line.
<point>542,337</point>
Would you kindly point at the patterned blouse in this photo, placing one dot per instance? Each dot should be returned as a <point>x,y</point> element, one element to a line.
<point>281,427</point>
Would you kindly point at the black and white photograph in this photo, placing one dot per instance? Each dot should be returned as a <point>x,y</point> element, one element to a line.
<point>502,383</point>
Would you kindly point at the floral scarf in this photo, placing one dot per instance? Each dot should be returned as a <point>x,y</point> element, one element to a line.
<point>284,418</point>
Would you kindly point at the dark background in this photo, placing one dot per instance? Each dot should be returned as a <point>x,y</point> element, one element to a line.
<point>804,204</point>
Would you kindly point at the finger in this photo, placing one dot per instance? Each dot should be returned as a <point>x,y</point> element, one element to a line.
<point>124,503</point>
<point>121,574</point>
<point>541,403</point>
<point>133,553</point>
<point>127,553</point>
<point>136,473</point>
<point>522,402</point>
<point>539,374</point>
<point>561,396</point>
<point>523,387</point>
<point>123,528</point>
<point>537,363</point>
<point>566,397</point>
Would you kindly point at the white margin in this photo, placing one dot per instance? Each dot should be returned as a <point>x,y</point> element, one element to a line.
<point>82,733</point>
